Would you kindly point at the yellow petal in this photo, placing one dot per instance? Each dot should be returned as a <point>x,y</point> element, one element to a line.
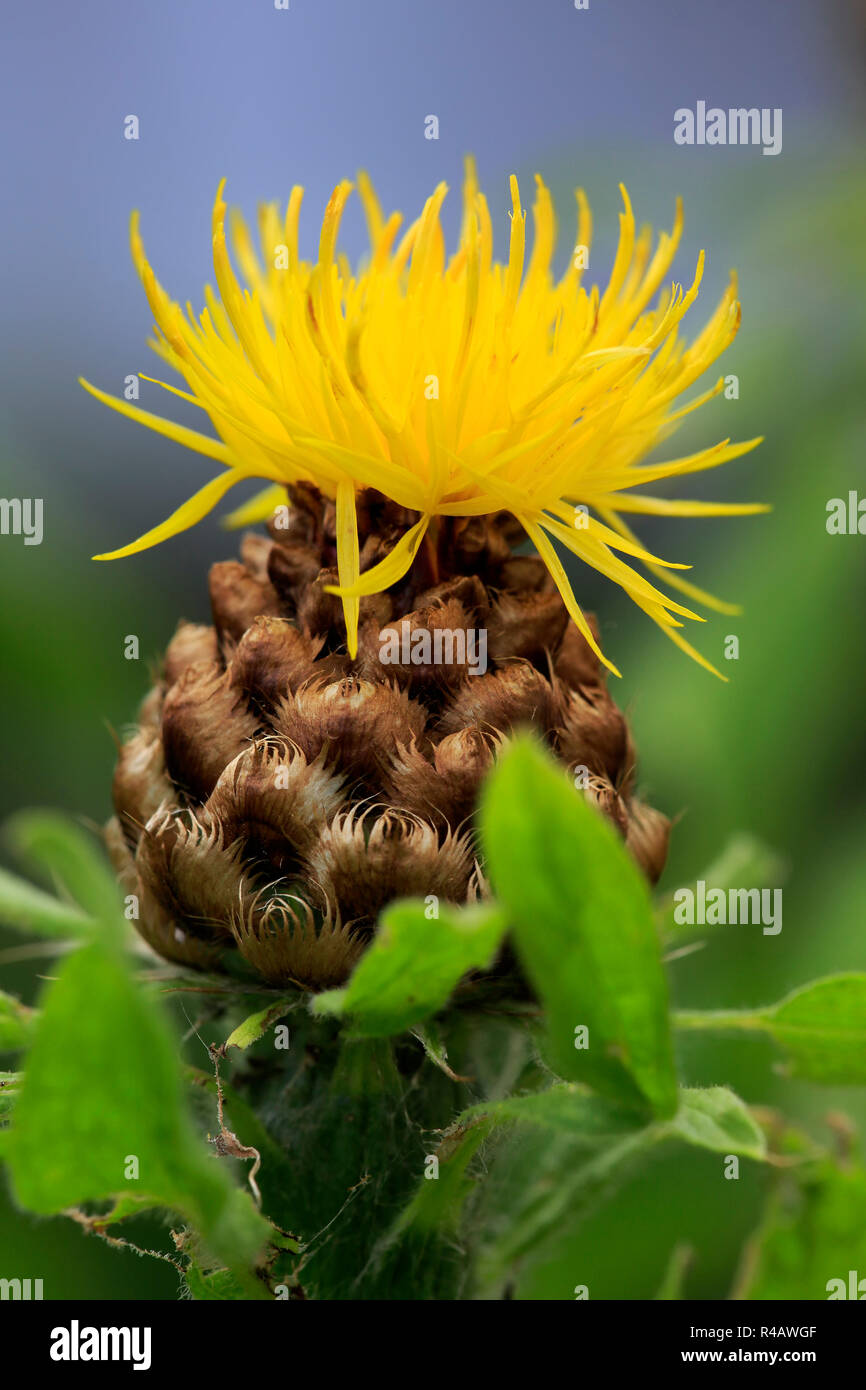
<point>213,448</point>
<point>388,571</point>
<point>186,515</point>
<point>546,394</point>
<point>670,506</point>
<point>348,561</point>
<point>684,586</point>
<point>259,508</point>
<point>560,578</point>
<point>681,642</point>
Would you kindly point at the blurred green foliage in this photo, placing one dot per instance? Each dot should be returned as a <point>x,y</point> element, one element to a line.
<point>97,1125</point>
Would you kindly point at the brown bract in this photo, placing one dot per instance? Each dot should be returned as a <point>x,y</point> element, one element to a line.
<point>276,795</point>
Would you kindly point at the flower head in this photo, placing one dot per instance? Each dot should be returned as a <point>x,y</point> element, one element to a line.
<point>455,387</point>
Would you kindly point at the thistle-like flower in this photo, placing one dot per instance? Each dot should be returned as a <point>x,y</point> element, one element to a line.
<point>313,754</point>
<point>456,388</point>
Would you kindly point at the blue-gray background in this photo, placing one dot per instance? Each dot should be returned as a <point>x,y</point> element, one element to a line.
<point>269,98</point>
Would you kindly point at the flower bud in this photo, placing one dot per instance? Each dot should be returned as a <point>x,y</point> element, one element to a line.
<point>362,861</point>
<point>647,838</point>
<point>526,625</point>
<point>273,798</point>
<point>358,720</point>
<point>191,643</point>
<point>205,723</point>
<point>273,658</point>
<point>140,784</point>
<point>237,598</point>
<point>285,944</point>
<point>503,700</point>
<point>593,731</point>
<point>445,790</point>
<point>603,794</point>
<point>576,663</point>
<point>186,865</point>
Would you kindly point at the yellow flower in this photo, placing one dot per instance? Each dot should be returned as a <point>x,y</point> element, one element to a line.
<point>455,387</point>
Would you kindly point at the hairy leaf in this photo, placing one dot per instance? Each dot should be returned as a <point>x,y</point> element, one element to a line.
<point>16,1023</point>
<point>584,928</point>
<point>256,1025</point>
<point>717,1119</point>
<point>29,909</point>
<point>821,1027</point>
<point>101,1115</point>
<point>813,1237</point>
<point>413,965</point>
<point>70,855</point>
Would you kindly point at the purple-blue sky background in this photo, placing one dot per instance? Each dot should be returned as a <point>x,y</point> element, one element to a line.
<point>269,98</point>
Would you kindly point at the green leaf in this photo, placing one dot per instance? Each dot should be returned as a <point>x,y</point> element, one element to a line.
<point>126,1209</point>
<point>71,856</point>
<point>592,1146</point>
<point>220,1285</point>
<point>16,1023</point>
<point>588,1120</point>
<point>10,1089</point>
<point>713,1118</point>
<point>438,1204</point>
<point>583,926</point>
<point>574,1123</point>
<point>28,909</point>
<point>413,965</point>
<point>550,1159</point>
<point>430,1038</point>
<point>564,1152</point>
<point>717,1119</point>
<point>257,1025</point>
<point>102,1087</point>
<point>812,1236</point>
<point>821,1027</point>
